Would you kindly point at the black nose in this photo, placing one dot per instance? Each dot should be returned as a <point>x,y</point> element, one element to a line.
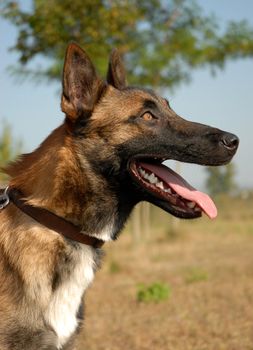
<point>230,141</point>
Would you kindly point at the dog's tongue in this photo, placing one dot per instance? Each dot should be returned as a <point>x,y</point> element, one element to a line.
<point>182,188</point>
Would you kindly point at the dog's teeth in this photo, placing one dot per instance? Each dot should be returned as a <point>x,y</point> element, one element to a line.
<point>145,175</point>
<point>152,179</point>
<point>142,172</point>
<point>160,185</point>
<point>191,205</point>
<point>168,190</point>
<point>156,180</point>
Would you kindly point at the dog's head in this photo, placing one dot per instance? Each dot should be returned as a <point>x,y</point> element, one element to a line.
<point>126,133</point>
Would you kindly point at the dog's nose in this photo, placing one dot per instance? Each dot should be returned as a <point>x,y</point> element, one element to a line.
<point>230,141</point>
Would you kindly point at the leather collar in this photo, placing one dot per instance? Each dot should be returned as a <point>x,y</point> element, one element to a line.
<point>47,218</point>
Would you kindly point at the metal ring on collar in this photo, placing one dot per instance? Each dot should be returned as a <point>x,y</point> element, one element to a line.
<point>4,199</point>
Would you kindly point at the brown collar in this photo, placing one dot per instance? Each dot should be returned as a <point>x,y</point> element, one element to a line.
<point>48,219</point>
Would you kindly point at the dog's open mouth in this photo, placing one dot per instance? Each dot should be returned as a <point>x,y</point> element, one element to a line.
<point>169,190</point>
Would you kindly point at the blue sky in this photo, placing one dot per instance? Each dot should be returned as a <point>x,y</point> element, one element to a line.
<point>224,101</point>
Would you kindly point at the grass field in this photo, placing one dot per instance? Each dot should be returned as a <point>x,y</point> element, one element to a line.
<point>207,268</point>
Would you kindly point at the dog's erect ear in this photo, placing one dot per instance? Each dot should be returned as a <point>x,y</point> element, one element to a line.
<point>116,75</point>
<point>81,86</point>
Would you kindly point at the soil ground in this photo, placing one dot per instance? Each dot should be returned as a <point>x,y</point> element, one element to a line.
<point>209,268</point>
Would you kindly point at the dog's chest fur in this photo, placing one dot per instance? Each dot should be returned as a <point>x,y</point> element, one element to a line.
<point>61,313</point>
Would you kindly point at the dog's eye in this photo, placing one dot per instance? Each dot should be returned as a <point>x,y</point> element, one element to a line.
<point>147,116</point>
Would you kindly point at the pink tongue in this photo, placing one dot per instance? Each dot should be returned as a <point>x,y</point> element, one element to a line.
<point>182,188</point>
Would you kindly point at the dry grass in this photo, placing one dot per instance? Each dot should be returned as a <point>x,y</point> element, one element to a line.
<point>209,268</point>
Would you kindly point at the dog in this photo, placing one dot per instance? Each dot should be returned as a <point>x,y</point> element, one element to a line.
<point>77,189</point>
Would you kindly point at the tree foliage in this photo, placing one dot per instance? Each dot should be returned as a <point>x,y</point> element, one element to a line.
<point>163,40</point>
<point>221,179</point>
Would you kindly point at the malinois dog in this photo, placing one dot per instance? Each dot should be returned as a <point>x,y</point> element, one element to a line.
<point>77,189</point>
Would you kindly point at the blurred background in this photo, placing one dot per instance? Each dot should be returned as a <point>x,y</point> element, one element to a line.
<point>166,284</point>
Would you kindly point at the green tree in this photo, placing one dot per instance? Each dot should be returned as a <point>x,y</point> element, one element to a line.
<point>163,40</point>
<point>221,179</point>
<point>8,150</point>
